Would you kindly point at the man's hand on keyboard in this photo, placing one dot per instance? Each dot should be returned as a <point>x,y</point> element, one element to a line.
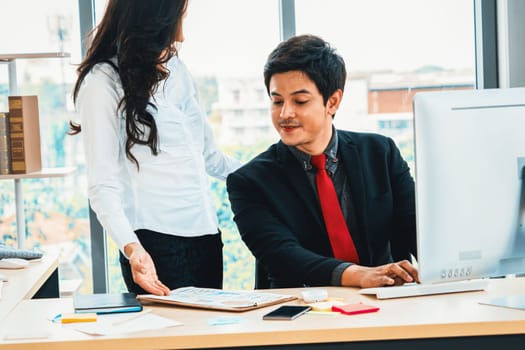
<point>392,274</point>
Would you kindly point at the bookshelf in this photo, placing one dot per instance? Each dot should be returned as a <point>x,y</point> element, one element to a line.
<point>10,59</point>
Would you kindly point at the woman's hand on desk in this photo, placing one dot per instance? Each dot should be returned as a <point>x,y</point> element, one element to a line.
<point>143,270</point>
<point>392,274</point>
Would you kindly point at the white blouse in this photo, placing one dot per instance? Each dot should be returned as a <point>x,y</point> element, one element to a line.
<point>170,192</point>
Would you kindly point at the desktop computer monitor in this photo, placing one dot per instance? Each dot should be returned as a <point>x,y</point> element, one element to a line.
<point>469,173</point>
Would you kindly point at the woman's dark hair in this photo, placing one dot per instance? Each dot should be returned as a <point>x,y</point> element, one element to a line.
<point>141,35</point>
<point>312,56</point>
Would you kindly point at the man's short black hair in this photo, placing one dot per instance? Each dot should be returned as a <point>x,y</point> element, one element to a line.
<point>314,57</point>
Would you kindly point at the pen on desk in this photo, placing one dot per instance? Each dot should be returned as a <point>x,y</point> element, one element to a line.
<point>78,317</point>
<point>138,314</point>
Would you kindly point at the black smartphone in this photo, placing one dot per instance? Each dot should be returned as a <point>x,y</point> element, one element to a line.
<point>287,312</point>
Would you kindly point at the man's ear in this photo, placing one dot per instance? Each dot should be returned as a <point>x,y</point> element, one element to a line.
<point>334,101</point>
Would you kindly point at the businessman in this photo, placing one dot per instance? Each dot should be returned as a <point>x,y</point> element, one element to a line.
<point>323,206</point>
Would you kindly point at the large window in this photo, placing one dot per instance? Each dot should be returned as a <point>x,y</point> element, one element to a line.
<point>392,49</point>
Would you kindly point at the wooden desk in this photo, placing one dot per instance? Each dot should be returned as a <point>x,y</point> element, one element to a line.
<point>453,321</point>
<point>40,278</point>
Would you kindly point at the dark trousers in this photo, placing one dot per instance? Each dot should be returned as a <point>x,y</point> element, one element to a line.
<point>179,261</point>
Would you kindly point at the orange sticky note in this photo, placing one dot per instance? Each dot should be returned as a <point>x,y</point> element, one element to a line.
<point>354,309</point>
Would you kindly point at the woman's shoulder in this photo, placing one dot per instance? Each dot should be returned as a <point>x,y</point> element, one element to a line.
<point>177,66</point>
<point>180,77</point>
<point>101,80</point>
<point>175,62</point>
<point>105,70</point>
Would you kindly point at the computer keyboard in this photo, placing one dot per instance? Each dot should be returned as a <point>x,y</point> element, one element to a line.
<point>415,289</point>
<point>8,252</point>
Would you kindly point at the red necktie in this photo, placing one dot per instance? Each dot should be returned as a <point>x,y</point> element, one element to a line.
<point>334,220</point>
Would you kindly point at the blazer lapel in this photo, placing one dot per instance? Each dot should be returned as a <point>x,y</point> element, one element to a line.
<point>352,164</point>
<point>299,182</point>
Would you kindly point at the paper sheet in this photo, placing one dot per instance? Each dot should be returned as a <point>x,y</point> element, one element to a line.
<point>512,302</point>
<point>109,326</point>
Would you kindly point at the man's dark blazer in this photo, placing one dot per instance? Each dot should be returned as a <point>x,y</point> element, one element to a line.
<point>280,220</point>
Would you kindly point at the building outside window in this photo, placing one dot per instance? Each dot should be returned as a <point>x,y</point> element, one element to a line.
<point>392,50</point>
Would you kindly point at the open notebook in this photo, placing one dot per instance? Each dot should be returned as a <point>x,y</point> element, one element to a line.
<point>218,299</point>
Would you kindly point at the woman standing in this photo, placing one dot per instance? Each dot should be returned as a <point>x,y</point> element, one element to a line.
<point>149,149</point>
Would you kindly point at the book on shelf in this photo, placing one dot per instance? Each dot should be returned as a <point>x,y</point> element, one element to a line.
<point>5,153</point>
<point>218,299</point>
<point>24,134</point>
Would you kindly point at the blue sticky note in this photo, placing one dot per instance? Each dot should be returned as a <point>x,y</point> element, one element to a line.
<point>225,320</point>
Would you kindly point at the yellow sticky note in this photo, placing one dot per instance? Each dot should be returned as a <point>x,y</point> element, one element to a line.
<point>72,318</point>
<point>330,313</point>
<point>334,299</point>
<point>324,305</point>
